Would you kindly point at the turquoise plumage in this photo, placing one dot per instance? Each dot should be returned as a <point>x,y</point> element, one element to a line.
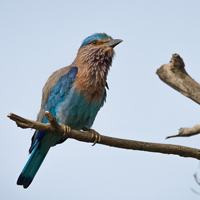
<point>73,95</point>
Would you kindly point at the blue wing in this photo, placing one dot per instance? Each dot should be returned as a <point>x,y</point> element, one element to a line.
<point>57,95</point>
<point>41,142</point>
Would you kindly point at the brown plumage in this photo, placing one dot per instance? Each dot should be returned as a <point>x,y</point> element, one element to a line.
<point>94,61</point>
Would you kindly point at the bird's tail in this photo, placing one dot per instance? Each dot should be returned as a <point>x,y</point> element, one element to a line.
<point>33,164</point>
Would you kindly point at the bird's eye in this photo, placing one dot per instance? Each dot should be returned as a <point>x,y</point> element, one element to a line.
<point>95,42</point>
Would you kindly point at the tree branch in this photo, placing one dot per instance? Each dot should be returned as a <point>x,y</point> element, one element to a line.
<point>187,132</point>
<point>175,75</point>
<point>54,128</point>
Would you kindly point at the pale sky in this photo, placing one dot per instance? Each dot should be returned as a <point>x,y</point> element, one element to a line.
<point>39,37</point>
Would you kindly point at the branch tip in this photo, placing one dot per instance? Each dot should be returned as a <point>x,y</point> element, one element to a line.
<point>49,116</point>
<point>175,75</point>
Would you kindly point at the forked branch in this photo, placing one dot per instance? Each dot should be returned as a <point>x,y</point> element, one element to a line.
<point>175,75</point>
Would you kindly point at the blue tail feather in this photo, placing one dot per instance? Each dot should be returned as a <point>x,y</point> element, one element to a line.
<point>33,164</point>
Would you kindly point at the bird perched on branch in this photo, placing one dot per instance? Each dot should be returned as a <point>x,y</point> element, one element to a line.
<point>73,95</point>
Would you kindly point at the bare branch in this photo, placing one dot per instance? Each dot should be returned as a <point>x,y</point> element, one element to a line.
<point>109,141</point>
<point>175,75</point>
<point>195,191</point>
<point>187,132</point>
<point>196,179</point>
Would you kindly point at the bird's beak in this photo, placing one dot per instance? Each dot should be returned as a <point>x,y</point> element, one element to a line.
<point>113,43</point>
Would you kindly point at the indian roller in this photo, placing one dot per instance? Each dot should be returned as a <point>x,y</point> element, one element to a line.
<point>73,95</point>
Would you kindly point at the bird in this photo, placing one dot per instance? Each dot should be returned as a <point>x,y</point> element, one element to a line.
<point>73,95</point>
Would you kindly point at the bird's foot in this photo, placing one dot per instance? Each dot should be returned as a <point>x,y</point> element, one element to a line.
<point>67,129</point>
<point>95,135</point>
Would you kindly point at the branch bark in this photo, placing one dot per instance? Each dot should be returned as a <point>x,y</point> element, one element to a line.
<point>175,75</point>
<point>54,128</point>
<point>187,132</point>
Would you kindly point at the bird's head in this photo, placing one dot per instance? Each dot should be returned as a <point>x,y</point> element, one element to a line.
<point>98,48</point>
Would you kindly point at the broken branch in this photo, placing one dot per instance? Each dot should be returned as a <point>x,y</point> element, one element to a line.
<point>175,75</point>
<point>187,132</point>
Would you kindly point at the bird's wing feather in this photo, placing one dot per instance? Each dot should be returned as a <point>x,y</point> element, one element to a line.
<point>51,83</point>
<point>54,92</point>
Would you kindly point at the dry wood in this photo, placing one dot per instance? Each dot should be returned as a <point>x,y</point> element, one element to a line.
<point>175,75</point>
<point>54,128</point>
<point>187,132</point>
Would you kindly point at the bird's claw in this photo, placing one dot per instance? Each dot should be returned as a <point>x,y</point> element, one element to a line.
<point>95,135</point>
<point>67,129</point>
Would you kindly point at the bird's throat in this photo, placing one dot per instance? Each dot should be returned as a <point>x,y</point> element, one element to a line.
<point>91,82</point>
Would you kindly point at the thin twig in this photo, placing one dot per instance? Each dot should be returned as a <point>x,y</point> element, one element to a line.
<point>187,132</point>
<point>196,179</point>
